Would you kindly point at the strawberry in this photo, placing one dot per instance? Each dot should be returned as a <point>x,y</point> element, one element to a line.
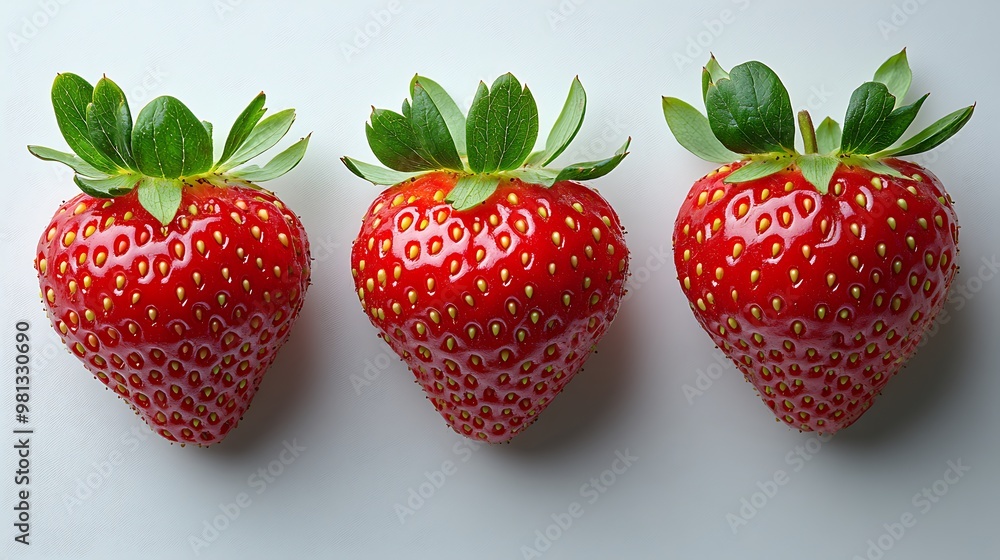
<point>174,280</point>
<point>817,273</point>
<point>492,276</point>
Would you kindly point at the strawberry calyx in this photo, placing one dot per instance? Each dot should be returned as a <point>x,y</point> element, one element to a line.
<point>749,118</point>
<point>494,142</point>
<point>165,150</point>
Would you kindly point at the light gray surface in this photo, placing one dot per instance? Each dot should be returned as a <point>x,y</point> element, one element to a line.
<point>363,453</point>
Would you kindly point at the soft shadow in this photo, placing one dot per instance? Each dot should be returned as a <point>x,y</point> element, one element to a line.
<point>598,392</point>
<point>286,384</point>
<point>924,383</point>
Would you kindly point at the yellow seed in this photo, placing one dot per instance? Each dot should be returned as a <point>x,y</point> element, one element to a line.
<point>855,261</point>
<point>775,249</point>
<point>754,276</point>
<point>69,238</point>
<point>763,225</point>
<point>806,251</point>
<point>794,275</point>
<point>831,279</point>
<point>737,250</point>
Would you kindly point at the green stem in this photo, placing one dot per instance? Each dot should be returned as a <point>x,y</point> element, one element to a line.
<point>808,132</point>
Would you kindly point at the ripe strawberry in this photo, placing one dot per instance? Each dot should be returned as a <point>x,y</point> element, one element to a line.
<point>816,273</point>
<point>491,276</point>
<point>174,280</point>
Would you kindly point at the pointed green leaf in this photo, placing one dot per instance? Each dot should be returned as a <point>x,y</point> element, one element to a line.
<point>896,75</point>
<point>566,126</point>
<point>869,108</point>
<point>109,186</point>
<point>243,126</point>
<point>278,166</point>
<point>431,131</point>
<point>895,126</point>
<point>78,165</point>
<point>593,169</point>
<point>393,142</point>
<point>828,136</point>
<point>750,112</point>
<point>109,123</point>
<point>208,128</point>
<point>452,115</point>
<point>872,124</point>
<point>161,197</point>
<point>534,175</point>
<point>375,174</point>
<point>471,190</point>
<point>818,170</point>
<point>711,73</point>
<point>169,141</point>
<point>70,96</point>
<point>875,166</point>
<point>691,129</point>
<point>932,136</point>
<point>502,126</point>
<point>758,170</point>
<point>263,137</point>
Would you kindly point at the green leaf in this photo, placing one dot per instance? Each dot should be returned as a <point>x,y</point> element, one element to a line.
<point>750,112</point>
<point>471,190</point>
<point>160,196</point>
<point>895,126</point>
<point>566,126</point>
<point>872,124</point>
<point>502,126</point>
<point>758,170</point>
<point>243,126</point>
<point>932,136</point>
<point>828,136</point>
<point>78,165</point>
<point>452,115</point>
<point>263,137</point>
<point>593,169</point>
<point>870,106</point>
<point>393,142</point>
<point>375,174</point>
<point>169,141</point>
<point>70,96</point>
<point>431,131</point>
<point>109,123</point>
<point>208,128</point>
<point>818,170</point>
<point>875,166</point>
<point>896,75</point>
<point>278,166</point>
<point>534,175</point>
<point>711,73</point>
<point>107,187</point>
<point>691,129</point>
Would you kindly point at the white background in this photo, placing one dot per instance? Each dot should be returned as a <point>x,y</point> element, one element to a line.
<point>698,457</point>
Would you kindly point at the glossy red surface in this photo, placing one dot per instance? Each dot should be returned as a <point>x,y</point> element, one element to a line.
<point>179,321</point>
<point>818,299</point>
<point>495,308</point>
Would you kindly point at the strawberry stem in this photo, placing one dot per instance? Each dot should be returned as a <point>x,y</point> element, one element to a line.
<point>808,132</point>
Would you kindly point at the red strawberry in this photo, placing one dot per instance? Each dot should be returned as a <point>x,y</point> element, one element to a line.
<point>174,280</point>
<point>816,273</point>
<point>492,277</point>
